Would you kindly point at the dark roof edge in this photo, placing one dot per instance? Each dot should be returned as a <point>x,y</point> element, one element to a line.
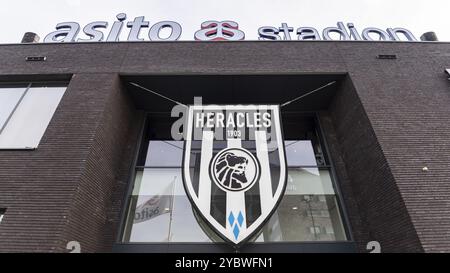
<point>244,41</point>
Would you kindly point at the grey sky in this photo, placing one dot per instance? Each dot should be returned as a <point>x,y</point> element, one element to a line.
<point>41,16</point>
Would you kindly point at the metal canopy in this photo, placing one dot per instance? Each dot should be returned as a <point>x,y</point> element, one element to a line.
<point>232,89</point>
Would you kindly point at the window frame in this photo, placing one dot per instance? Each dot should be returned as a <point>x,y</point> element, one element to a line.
<point>347,246</point>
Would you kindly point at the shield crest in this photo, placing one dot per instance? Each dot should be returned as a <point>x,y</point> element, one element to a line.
<point>234,166</point>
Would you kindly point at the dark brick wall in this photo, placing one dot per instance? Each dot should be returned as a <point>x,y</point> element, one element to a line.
<point>388,120</point>
<point>383,216</point>
<point>96,204</point>
<point>357,228</point>
<point>63,190</point>
<point>406,101</point>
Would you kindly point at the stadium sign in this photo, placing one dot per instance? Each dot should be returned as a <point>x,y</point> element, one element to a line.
<point>217,31</point>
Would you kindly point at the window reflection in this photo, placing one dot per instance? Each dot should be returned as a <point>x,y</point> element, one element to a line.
<point>305,218</point>
<point>164,154</point>
<point>25,112</point>
<point>300,153</point>
<point>311,181</point>
<point>9,99</point>
<point>161,212</point>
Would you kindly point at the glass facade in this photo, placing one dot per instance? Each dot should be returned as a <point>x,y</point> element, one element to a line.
<point>25,112</point>
<point>159,210</point>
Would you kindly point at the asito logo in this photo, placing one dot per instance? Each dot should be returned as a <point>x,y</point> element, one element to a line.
<point>219,31</point>
<point>234,168</point>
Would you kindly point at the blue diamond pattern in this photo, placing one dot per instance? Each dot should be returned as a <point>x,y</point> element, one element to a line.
<point>236,232</point>
<point>240,219</point>
<point>231,219</point>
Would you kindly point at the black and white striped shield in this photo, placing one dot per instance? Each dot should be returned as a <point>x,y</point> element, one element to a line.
<point>234,167</point>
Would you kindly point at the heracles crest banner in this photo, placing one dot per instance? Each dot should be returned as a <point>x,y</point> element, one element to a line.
<point>234,167</point>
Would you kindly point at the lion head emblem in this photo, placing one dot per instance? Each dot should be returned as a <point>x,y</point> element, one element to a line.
<point>230,170</point>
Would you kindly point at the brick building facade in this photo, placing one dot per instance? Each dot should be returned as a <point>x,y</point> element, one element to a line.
<point>383,122</point>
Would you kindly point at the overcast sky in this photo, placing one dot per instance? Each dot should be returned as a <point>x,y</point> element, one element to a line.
<point>41,16</point>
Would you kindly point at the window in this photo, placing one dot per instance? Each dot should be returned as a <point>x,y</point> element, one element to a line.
<point>25,112</point>
<point>309,210</point>
<point>2,213</point>
<point>159,210</point>
<point>310,199</point>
